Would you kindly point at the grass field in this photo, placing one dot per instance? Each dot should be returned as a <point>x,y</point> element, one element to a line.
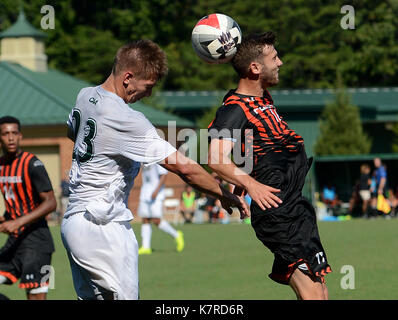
<point>227,262</point>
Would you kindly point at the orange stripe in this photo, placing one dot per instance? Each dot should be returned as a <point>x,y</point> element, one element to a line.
<point>28,182</point>
<point>9,276</point>
<point>20,185</point>
<point>264,117</point>
<point>12,186</point>
<point>284,126</point>
<point>9,200</point>
<point>276,123</point>
<point>2,188</point>
<point>30,285</point>
<point>268,96</point>
<point>252,119</point>
<point>269,114</point>
<point>210,124</point>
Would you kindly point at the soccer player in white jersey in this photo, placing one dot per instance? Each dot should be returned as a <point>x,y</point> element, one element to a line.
<point>150,208</point>
<point>111,140</point>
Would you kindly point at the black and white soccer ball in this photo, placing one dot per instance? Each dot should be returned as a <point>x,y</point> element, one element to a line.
<point>215,38</point>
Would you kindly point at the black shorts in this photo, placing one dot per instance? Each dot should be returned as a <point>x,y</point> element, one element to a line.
<point>291,233</point>
<point>29,265</point>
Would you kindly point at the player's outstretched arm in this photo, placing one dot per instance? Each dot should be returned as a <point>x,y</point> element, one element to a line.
<point>219,161</point>
<point>193,174</point>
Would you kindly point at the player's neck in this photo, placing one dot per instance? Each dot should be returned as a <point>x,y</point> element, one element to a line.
<point>249,87</point>
<point>110,85</point>
<point>10,156</point>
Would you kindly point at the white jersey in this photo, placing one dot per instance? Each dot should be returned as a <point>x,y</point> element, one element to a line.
<point>150,181</point>
<point>111,141</point>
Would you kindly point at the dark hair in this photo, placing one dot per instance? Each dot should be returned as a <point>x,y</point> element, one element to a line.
<point>251,49</point>
<point>144,57</point>
<point>10,119</point>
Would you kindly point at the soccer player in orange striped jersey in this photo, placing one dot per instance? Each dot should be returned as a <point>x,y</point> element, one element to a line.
<point>284,221</point>
<point>28,198</point>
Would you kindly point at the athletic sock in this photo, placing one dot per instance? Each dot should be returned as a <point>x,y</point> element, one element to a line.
<point>146,234</point>
<point>166,227</point>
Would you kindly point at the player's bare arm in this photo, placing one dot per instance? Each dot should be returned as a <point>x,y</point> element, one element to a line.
<point>220,162</point>
<point>193,174</point>
<point>47,206</point>
<point>381,186</point>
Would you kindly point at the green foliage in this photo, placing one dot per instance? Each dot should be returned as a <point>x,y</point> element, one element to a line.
<point>395,139</point>
<point>341,130</point>
<point>310,40</point>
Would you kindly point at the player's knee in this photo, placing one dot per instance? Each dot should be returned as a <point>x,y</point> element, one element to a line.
<point>306,287</point>
<point>314,292</point>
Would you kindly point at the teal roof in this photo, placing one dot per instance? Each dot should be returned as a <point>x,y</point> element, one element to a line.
<point>356,157</point>
<point>22,28</point>
<point>376,104</point>
<point>46,98</point>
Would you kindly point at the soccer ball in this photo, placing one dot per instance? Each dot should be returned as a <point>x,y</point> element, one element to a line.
<point>215,38</point>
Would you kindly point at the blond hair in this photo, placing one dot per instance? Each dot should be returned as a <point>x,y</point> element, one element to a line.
<point>142,57</point>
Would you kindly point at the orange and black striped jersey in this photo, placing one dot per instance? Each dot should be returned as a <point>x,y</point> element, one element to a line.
<point>260,127</point>
<point>22,179</point>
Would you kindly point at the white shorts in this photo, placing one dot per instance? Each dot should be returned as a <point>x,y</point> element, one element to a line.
<point>103,257</point>
<point>365,194</point>
<point>150,209</point>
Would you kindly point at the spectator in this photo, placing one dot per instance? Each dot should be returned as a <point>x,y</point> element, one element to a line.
<point>381,177</point>
<point>355,208</point>
<point>364,188</point>
<point>188,204</point>
<point>200,208</point>
<point>393,201</point>
<point>330,198</point>
<point>379,187</point>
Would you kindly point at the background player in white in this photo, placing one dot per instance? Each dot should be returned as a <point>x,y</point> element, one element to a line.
<point>111,141</point>
<point>150,208</point>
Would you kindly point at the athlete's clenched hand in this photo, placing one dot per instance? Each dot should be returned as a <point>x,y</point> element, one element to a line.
<point>230,200</point>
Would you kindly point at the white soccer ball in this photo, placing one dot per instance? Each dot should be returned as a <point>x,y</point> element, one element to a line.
<point>215,38</point>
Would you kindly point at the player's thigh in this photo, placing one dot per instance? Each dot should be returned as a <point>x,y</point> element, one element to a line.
<point>36,269</point>
<point>10,268</point>
<point>307,287</point>
<point>102,256</point>
<point>144,210</point>
<point>156,209</point>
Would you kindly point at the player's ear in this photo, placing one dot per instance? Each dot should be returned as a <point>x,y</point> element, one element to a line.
<point>127,76</point>
<point>255,68</point>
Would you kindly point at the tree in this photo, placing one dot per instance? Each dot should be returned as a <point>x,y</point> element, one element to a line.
<point>341,130</point>
<point>310,41</point>
<point>395,138</point>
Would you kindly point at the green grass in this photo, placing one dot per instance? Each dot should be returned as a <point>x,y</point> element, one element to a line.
<point>228,262</point>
